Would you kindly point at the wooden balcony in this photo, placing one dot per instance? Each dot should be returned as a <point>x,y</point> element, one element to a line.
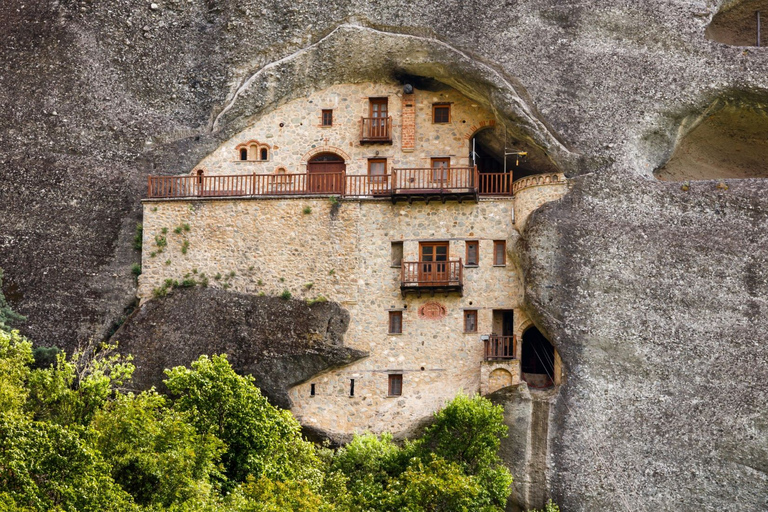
<point>376,130</point>
<point>426,184</point>
<point>432,277</point>
<point>500,347</point>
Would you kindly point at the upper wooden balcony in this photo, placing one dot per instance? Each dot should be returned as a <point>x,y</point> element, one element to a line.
<point>500,347</point>
<point>424,184</point>
<point>376,130</point>
<point>431,276</point>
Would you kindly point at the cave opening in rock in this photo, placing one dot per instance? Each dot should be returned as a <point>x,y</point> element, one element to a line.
<point>729,143</point>
<point>738,23</point>
<point>537,359</point>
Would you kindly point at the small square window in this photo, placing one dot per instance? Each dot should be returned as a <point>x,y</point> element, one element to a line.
<point>441,114</point>
<point>327,117</point>
<point>397,254</point>
<point>499,252</point>
<point>395,322</point>
<point>395,384</point>
<point>472,252</point>
<point>470,320</point>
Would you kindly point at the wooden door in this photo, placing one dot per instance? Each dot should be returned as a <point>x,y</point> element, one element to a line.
<point>433,268</point>
<point>325,174</point>
<point>379,112</point>
<point>440,170</point>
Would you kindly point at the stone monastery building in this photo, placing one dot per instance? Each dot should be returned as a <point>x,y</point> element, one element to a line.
<point>380,197</point>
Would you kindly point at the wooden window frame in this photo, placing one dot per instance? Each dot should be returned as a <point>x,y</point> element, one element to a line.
<point>435,107</point>
<point>439,243</point>
<point>503,244</point>
<point>379,178</point>
<point>393,378</point>
<point>395,324</point>
<point>326,114</point>
<point>378,101</point>
<point>470,313</point>
<point>469,263</point>
<point>446,169</point>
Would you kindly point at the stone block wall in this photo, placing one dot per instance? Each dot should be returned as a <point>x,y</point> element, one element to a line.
<point>533,191</point>
<point>343,253</point>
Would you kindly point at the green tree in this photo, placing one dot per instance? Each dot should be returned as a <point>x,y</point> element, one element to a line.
<point>261,440</point>
<point>15,357</point>
<point>47,467</point>
<point>155,454</point>
<point>7,315</point>
<point>71,391</point>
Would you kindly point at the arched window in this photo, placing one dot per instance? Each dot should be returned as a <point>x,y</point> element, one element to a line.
<point>243,153</point>
<point>264,154</point>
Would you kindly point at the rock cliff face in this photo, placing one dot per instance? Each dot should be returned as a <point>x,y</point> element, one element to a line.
<point>280,342</point>
<point>653,292</point>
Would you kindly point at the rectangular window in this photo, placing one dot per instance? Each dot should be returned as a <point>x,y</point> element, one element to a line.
<point>395,322</point>
<point>440,168</point>
<point>441,113</point>
<point>395,384</point>
<point>397,254</point>
<point>327,117</point>
<point>351,387</point>
<point>472,252</point>
<point>470,321</point>
<point>311,390</point>
<point>499,252</point>
<point>377,170</point>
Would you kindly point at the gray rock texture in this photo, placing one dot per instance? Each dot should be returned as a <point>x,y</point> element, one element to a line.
<point>280,342</point>
<point>654,295</point>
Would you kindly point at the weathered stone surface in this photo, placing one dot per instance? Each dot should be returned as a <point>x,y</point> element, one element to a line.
<point>655,298</point>
<point>280,342</point>
<point>652,295</point>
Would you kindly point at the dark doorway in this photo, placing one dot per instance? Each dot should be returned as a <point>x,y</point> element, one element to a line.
<point>325,173</point>
<point>537,359</point>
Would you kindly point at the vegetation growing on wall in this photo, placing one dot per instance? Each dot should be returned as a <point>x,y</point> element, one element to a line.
<point>73,438</point>
<point>7,315</point>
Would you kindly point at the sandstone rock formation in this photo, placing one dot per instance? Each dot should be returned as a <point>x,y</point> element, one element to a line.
<point>654,295</point>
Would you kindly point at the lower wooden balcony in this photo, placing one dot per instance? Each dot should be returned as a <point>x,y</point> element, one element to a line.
<point>431,277</point>
<point>500,348</point>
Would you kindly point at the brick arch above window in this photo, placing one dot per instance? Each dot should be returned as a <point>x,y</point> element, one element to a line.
<point>253,151</point>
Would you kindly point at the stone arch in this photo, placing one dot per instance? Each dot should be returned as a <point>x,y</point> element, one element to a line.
<point>324,149</point>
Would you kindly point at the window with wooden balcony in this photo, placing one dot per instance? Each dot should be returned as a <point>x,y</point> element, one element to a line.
<point>472,256</point>
<point>395,322</point>
<point>499,253</point>
<point>470,320</point>
<point>377,127</point>
<point>327,117</point>
<point>441,113</point>
<point>395,387</point>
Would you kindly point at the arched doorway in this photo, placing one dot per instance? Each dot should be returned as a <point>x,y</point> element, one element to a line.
<point>537,359</point>
<point>325,173</point>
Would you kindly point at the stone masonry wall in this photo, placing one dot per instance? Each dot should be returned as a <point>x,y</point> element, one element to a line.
<point>343,252</point>
<point>294,132</point>
<point>533,191</point>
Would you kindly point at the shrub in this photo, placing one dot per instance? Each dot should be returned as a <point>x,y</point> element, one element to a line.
<point>307,210</point>
<point>138,237</point>
<point>285,295</point>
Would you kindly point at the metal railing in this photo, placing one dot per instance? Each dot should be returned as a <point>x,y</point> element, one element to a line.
<point>500,347</point>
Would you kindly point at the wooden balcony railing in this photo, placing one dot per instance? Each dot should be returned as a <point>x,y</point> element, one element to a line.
<point>495,184</point>
<point>434,180</point>
<point>376,129</point>
<point>427,182</point>
<point>431,275</point>
<point>500,347</point>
